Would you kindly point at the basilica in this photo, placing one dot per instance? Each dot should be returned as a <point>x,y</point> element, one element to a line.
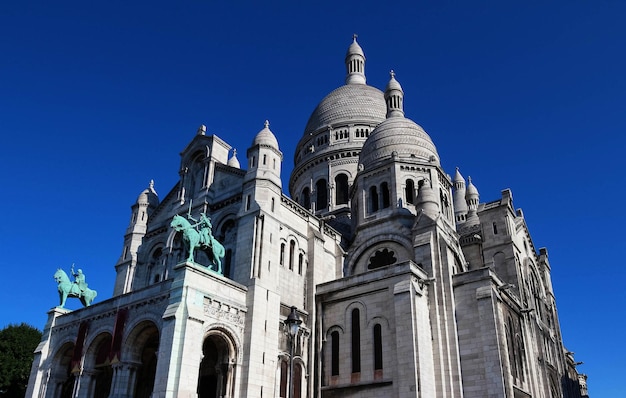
<point>378,275</point>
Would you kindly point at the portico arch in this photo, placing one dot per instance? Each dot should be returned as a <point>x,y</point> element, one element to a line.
<point>216,376</point>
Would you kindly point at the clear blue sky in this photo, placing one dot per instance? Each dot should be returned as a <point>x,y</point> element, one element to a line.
<point>97,98</point>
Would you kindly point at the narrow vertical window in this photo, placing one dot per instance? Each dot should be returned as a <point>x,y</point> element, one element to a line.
<point>297,381</point>
<point>409,191</point>
<point>306,198</point>
<point>292,249</point>
<point>378,347</point>
<point>227,262</point>
<point>495,229</point>
<point>284,369</point>
<point>356,341</point>
<point>341,189</point>
<point>384,187</point>
<point>373,199</point>
<point>282,254</point>
<point>322,194</point>
<point>334,353</point>
<point>247,203</point>
<point>264,160</point>
<point>273,205</point>
<point>300,263</point>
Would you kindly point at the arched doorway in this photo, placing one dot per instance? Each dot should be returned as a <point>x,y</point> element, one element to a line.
<point>215,378</point>
<point>101,368</point>
<point>62,377</point>
<point>144,343</point>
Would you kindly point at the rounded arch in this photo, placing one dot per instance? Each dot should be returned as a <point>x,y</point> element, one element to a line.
<point>334,328</point>
<point>216,373</point>
<point>142,347</point>
<point>97,363</point>
<point>342,185</point>
<point>399,244</point>
<point>378,319</point>
<point>61,376</point>
<point>321,194</point>
<point>357,304</point>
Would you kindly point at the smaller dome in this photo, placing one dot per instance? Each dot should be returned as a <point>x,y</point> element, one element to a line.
<point>458,177</point>
<point>233,161</point>
<point>471,189</point>
<point>265,137</point>
<point>393,83</point>
<point>148,196</point>
<point>400,135</point>
<point>354,48</point>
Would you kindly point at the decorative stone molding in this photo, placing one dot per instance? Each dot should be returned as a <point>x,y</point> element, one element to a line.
<point>224,312</point>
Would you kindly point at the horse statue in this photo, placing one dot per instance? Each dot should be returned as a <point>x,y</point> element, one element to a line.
<point>200,239</point>
<point>68,289</point>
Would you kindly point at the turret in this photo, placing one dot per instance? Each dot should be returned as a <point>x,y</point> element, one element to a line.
<point>460,205</point>
<point>472,200</point>
<point>394,97</point>
<point>264,165</point>
<point>427,199</point>
<point>147,201</point>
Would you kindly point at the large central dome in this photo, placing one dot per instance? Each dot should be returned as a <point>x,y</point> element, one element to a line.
<point>348,104</point>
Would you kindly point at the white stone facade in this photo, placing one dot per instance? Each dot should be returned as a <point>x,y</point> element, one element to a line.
<point>406,284</point>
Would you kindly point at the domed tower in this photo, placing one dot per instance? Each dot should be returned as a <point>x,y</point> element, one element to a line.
<point>396,159</point>
<point>262,180</point>
<point>326,157</point>
<point>399,178</point>
<point>403,215</point>
<point>473,199</point>
<point>460,205</point>
<point>147,201</point>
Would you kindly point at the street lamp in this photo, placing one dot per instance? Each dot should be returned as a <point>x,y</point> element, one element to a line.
<point>293,324</point>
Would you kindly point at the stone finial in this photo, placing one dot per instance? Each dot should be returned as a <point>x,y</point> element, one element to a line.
<point>267,124</point>
<point>201,130</point>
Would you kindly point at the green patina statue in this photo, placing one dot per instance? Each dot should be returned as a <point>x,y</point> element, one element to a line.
<point>77,289</point>
<point>200,236</point>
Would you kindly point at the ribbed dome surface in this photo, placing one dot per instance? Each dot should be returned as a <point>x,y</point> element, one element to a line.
<point>352,102</point>
<point>400,135</point>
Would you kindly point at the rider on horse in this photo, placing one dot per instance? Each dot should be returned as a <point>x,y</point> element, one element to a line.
<point>79,280</point>
<point>205,229</point>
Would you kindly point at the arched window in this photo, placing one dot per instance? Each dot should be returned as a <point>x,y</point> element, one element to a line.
<point>292,249</point>
<point>409,191</point>
<point>322,194</point>
<point>378,347</point>
<point>373,199</point>
<point>284,371</point>
<point>341,189</point>
<point>300,263</point>
<point>356,341</point>
<point>306,198</point>
<point>227,262</point>
<point>297,380</point>
<point>384,187</point>
<point>334,353</point>
<point>510,332</point>
<point>282,254</point>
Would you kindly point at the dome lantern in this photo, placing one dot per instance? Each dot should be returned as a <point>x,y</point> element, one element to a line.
<point>355,63</point>
<point>394,97</point>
